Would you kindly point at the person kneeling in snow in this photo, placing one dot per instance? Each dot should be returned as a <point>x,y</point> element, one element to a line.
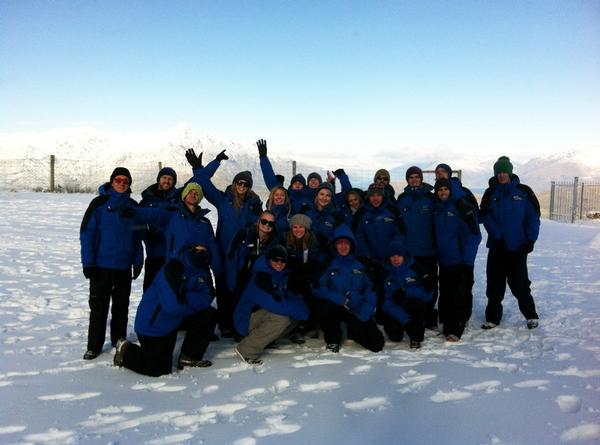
<point>407,293</point>
<point>346,294</point>
<point>179,298</point>
<point>267,307</point>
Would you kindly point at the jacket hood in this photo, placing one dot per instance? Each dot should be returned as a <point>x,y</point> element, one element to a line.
<point>343,231</point>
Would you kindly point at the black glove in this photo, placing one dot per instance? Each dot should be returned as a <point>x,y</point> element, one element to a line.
<point>339,172</point>
<point>262,148</point>
<point>498,244</point>
<point>89,272</point>
<point>126,212</point>
<point>137,270</point>
<point>527,246</point>
<point>222,156</point>
<point>193,160</point>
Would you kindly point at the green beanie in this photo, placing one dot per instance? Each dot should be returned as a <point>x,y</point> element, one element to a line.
<point>192,186</point>
<point>503,165</point>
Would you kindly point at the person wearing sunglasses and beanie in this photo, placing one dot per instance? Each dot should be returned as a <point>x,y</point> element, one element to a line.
<point>267,308</point>
<point>238,207</point>
<point>111,256</point>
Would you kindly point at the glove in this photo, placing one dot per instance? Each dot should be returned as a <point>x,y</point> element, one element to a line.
<point>498,244</point>
<point>339,172</point>
<point>527,246</point>
<point>126,212</point>
<point>137,270</point>
<point>305,208</point>
<point>193,160</point>
<point>262,148</point>
<point>222,156</point>
<point>89,272</point>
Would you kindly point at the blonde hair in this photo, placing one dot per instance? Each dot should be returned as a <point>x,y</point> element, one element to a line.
<point>286,203</point>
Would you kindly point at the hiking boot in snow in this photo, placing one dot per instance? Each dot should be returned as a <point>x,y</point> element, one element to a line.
<point>488,325</point>
<point>452,338</point>
<point>186,360</point>
<point>333,347</point>
<point>90,355</point>
<point>532,323</point>
<point>250,361</point>
<point>297,338</point>
<point>415,344</point>
<point>121,347</point>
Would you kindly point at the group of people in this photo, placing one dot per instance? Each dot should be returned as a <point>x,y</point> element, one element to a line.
<point>319,256</point>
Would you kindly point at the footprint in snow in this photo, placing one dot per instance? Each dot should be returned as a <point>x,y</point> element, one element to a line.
<point>569,403</point>
<point>573,371</point>
<point>276,425</point>
<point>172,439</point>
<point>358,370</point>
<point>368,404</point>
<point>68,397</point>
<point>319,386</point>
<point>539,384</point>
<point>449,396</point>
<point>11,429</point>
<point>587,431</point>
<point>249,394</point>
<point>317,362</point>
<point>277,407</point>
<point>53,435</point>
<point>489,386</point>
<point>412,381</point>
<point>245,441</point>
<point>158,387</point>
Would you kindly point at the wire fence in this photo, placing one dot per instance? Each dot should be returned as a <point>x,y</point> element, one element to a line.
<point>574,200</point>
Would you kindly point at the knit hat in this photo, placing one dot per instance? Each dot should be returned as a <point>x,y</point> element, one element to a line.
<point>325,185</point>
<point>298,178</point>
<point>277,252</point>
<point>443,182</point>
<point>396,248</point>
<point>314,175</point>
<point>301,220</point>
<point>445,167</point>
<point>414,170</point>
<point>503,165</point>
<point>192,186</point>
<point>167,171</point>
<point>120,171</point>
<point>381,173</point>
<point>375,188</point>
<point>244,176</point>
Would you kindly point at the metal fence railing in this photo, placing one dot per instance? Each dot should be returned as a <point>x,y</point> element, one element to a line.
<point>574,200</point>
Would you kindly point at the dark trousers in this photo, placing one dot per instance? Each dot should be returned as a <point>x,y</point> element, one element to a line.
<point>154,355</point>
<point>507,267</point>
<point>227,301</point>
<point>365,333</point>
<point>107,285</point>
<point>456,298</point>
<point>151,267</point>
<point>415,328</point>
<point>430,265</point>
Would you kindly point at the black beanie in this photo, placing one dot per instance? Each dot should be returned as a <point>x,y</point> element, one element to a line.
<point>445,167</point>
<point>314,175</point>
<point>120,171</point>
<point>277,252</point>
<point>443,182</point>
<point>244,176</point>
<point>167,171</point>
<point>414,170</point>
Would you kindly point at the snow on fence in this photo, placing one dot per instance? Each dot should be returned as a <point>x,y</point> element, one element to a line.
<point>571,201</point>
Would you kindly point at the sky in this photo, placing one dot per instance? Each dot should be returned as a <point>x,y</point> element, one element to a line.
<point>347,78</point>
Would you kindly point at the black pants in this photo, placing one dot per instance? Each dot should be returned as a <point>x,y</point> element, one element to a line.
<point>227,301</point>
<point>430,265</point>
<point>456,298</point>
<point>107,285</point>
<point>154,356</point>
<point>151,267</point>
<point>415,328</point>
<point>511,267</point>
<point>365,333</point>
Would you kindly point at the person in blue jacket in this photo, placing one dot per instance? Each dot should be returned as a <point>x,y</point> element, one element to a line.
<point>178,299</point>
<point>407,292</point>
<point>300,198</point>
<point>324,216</point>
<point>111,256</point>
<point>346,295</point>
<point>510,213</point>
<point>279,203</point>
<point>162,194</point>
<point>457,237</point>
<point>444,171</point>
<point>267,307</point>
<point>238,207</point>
<point>415,205</point>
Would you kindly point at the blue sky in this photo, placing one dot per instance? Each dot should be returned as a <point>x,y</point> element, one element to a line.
<point>347,78</point>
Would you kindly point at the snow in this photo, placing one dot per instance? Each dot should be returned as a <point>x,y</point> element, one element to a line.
<point>508,385</point>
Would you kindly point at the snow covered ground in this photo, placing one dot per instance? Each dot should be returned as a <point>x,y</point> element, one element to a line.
<point>504,386</point>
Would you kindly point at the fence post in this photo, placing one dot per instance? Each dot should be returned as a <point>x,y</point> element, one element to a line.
<point>293,168</point>
<point>574,202</point>
<point>552,187</point>
<point>52,162</point>
<point>159,165</point>
<point>581,201</point>
<point>459,174</point>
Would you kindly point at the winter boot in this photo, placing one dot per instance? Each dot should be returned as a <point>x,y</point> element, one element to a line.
<point>186,360</point>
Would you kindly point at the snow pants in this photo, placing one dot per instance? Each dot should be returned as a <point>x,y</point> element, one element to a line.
<point>430,265</point>
<point>415,328</point>
<point>265,327</point>
<point>456,298</point>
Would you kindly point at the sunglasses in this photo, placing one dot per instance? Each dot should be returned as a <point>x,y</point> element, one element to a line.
<point>123,181</point>
<point>266,222</point>
<point>242,184</point>
<point>278,260</point>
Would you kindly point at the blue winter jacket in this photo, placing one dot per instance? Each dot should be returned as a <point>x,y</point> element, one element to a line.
<point>416,211</point>
<point>376,230</point>
<point>345,278</point>
<point>108,239</point>
<point>267,289</point>
<point>231,220</point>
<point>299,199</point>
<point>282,222</point>
<point>510,212</point>
<point>178,291</point>
<point>402,283</point>
<point>154,237</point>
<point>457,232</point>
<point>324,222</point>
